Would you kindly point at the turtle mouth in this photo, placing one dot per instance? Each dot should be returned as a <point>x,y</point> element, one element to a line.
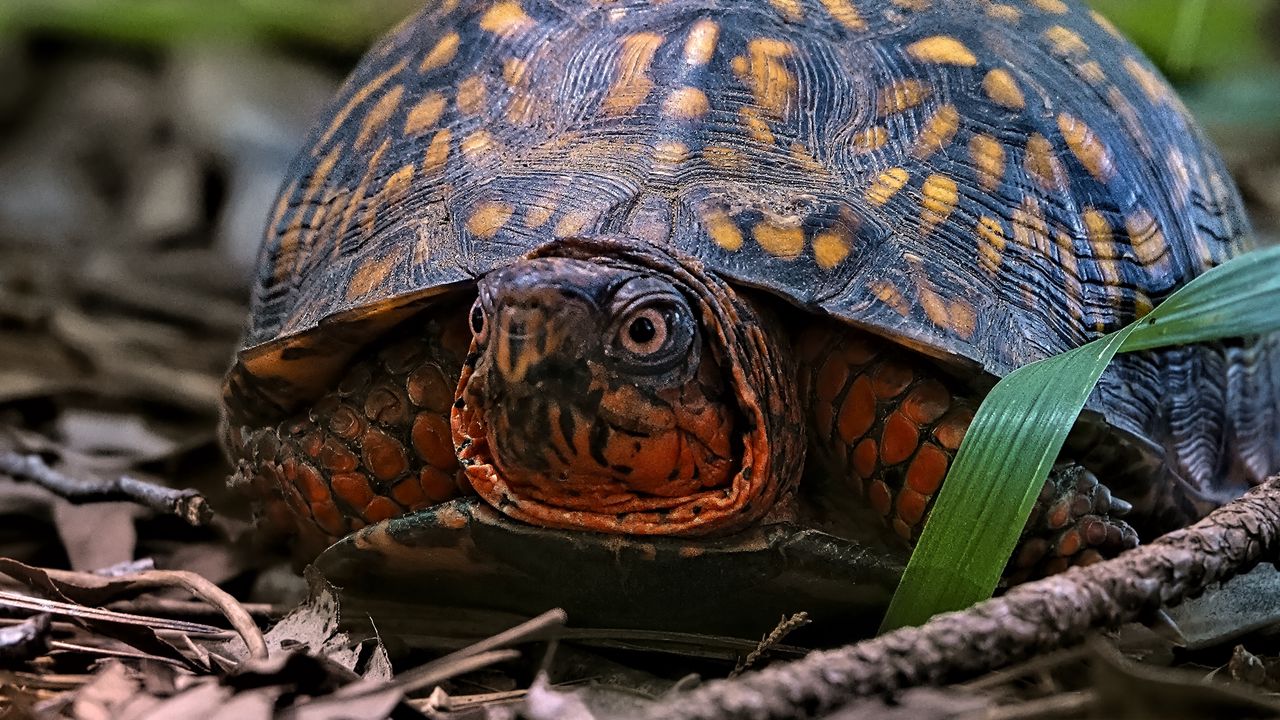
<point>609,389</point>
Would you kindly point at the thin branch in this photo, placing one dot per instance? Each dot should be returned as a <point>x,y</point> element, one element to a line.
<point>186,504</point>
<point>1029,620</point>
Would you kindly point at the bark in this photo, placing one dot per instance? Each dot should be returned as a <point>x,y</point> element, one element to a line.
<point>1030,619</point>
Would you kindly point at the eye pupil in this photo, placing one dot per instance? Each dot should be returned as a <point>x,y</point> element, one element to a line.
<point>477,319</point>
<point>642,330</point>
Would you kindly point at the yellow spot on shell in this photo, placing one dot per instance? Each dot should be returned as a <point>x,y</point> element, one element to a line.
<point>916,5</point>
<point>846,14</point>
<point>478,144</point>
<point>1097,228</point>
<point>1105,24</point>
<point>1065,42</point>
<point>488,218</point>
<point>957,316</point>
<point>771,83</point>
<point>779,240</point>
<point>686,103</point>
<point>1029,227</point>
<point>757,127</point>
<point>371,274</point>
<point>358,98</point>
<point>790,9</point>
<point>1146,238</point>
<point>830,248</point>
<point>890,295</point>
<point>725,157</point>
<point>1003,89</point>
<point>442,53</point>
<point>1006,13</point>
<point>939,196</point>
<point>900,96</point>
<point>938,132</point>
<point>538,215</point>
<point>886,185</point>
<point>471,94</point>
<point>873,138</point>
<point>1147,80</point>
<point>505,18</point>
<point>942,49</point>
<point>723,230</point>
<point>574,223</point>
<point>633,83</point>
<point>396,188</point>
<point>378,115</point>
<point>425,114</point>
<point>1056,7</point>
<point>1086,146</point>
<point>991,249</point>
<point>437,152</point>
<point>1091,71</point>
<point>988,161</point>
<point>1043,165</point>
<point>700,46</point>
<point>670,152</point>
<point>513,70</point>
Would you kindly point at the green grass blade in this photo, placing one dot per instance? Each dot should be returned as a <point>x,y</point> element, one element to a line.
<point>1021,425</point>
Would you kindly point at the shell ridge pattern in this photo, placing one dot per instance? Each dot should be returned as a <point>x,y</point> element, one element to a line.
<point>987,183</point>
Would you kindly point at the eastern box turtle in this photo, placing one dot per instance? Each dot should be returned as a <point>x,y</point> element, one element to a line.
<point>685,281</point>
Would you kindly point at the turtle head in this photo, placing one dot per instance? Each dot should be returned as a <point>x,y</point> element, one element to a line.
<point>600,395</point>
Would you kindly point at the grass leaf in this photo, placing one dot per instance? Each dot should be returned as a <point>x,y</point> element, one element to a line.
<point>1023,422</point>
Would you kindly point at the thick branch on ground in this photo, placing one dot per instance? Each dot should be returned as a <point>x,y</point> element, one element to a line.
<point>1029,620</point>
<point>186,504</point>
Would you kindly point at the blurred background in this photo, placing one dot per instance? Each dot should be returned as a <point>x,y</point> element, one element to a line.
<point>141,144</point>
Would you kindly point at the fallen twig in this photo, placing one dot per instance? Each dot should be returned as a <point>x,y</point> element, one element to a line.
<point>1030,619</point>
<point>189,505</point>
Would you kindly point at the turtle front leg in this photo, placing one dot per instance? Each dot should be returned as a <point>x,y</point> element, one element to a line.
<point>376,446</point>
<point>884,426</point>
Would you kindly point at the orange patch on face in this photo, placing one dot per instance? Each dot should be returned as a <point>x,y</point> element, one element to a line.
<point>899,439</point>
<point>858,412</point>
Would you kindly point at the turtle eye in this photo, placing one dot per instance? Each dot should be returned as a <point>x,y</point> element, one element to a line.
<point>478,321</point>
<point>645,332</point>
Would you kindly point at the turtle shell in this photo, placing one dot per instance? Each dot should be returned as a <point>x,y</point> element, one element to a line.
<point>988,183</point>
